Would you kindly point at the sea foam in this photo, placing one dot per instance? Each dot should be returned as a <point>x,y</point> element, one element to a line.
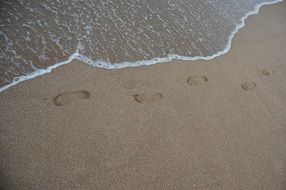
<point>120,65</point>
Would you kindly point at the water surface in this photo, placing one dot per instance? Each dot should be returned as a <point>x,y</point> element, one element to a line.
<point>35,34</point>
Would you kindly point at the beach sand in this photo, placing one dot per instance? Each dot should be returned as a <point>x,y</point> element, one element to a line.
<point>218,124</point>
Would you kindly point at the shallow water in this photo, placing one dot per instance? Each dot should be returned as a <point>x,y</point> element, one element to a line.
<point>35,34</point>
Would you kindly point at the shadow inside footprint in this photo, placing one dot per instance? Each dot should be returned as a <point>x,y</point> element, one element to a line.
<point>68,97</point>
<point>249,85</point>
<point>267,72</point>
<point>196,80</point>
<point>147,97</point>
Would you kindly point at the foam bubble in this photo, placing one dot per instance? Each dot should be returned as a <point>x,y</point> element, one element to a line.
<point>106,65</point>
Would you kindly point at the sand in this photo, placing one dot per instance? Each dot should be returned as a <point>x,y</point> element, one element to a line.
<point>218,124</point>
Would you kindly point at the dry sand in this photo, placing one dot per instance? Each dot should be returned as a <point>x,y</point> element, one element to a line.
<point>218,124</point>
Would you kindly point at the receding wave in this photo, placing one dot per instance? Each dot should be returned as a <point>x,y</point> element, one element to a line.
<point>37,36</point>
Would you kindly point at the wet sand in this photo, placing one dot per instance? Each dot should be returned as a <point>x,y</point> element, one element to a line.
<point>218,124</point>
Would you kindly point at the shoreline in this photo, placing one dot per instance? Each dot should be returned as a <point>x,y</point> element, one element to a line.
<point>217,124</point>
<point>156,60</point>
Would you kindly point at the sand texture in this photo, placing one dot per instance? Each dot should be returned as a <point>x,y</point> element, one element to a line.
<point>218,124</point>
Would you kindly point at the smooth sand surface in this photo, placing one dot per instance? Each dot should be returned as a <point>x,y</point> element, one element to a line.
<point>218,124</point>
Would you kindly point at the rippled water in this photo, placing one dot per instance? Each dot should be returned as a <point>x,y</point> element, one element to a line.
<point>36,34</point>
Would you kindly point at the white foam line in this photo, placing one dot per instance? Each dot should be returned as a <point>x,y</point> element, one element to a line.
<point>38,72</point>
<point>106,65</point>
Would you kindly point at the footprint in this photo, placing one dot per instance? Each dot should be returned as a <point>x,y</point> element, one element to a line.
<point>196,80</point>
<point>147,97</point>
<point>249,85</point>
<point>68,97</point>
<point>267,72</point>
